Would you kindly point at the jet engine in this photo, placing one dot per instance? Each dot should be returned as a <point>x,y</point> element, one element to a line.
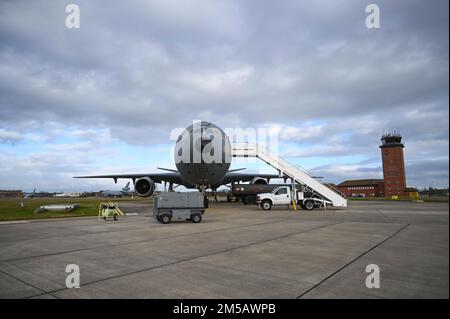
<point>259,180</point>
<point>144,186</point>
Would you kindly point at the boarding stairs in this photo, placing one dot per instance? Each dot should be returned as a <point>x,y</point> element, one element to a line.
<point>289,170</point>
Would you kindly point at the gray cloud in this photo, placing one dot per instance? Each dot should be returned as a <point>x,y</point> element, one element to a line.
<point>9,136</point>
<point>312,68</point>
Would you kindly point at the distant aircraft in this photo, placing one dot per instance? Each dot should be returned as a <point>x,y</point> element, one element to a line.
<point>29,195</point>
<point>35,194</point>
<point>202,158</point>
<point>124,191</point>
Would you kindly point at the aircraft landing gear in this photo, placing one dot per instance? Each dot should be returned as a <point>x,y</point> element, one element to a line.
<point>202,189</point>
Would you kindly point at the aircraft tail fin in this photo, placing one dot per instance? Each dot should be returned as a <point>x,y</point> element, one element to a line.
<point>126,188</point>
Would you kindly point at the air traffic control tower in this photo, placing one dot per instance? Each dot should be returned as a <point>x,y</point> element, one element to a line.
<point>393,164</point>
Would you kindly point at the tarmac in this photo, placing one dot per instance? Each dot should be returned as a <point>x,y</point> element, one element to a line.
<point>237,251</point>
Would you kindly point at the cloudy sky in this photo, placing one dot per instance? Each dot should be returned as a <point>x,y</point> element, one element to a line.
<point>104,98</point>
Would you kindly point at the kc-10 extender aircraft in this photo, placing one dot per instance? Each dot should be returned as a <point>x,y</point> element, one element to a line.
<point>202,157</point>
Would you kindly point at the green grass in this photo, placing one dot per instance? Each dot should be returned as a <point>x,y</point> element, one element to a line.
<point>10,209</point>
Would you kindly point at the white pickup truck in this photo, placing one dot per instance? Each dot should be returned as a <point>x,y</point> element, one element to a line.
<point>283,196</point>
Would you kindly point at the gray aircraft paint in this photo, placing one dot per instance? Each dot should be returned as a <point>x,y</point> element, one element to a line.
<point>202,154</point>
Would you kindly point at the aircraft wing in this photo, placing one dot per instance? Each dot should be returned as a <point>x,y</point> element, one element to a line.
<point>245,177</point>
<point>170,177</point>
<point>175,178</point>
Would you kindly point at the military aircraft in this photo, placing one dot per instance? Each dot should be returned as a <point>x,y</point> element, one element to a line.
<point>125,191</point>
<point>202,157</point>
<point>29,195</point>
<point>35,194</point>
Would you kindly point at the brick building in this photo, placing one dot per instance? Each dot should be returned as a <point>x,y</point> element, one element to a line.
<point>362,188</point>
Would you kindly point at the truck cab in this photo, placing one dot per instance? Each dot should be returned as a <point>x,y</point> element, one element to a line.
<point>283,196</point>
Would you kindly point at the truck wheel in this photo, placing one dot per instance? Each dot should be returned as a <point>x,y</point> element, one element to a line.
<point>309,205</point>
<point>165,219</point>
<point>250,200</point>
<point>116,217</point>
<point>266,205</point>
<point>196,218</point>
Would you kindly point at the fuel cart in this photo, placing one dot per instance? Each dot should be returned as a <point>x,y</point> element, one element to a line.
<point>168,206</point>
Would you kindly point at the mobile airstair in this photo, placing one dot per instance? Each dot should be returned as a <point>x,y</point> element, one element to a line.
<point>289,170</point>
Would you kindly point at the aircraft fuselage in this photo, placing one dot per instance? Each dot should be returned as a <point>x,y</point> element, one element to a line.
<point>203,154</point>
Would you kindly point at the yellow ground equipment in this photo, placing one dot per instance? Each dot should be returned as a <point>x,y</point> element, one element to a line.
<point>109,210</point>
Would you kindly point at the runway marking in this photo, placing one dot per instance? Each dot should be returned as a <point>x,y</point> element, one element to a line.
<point>352,261</point>
<point>196,257</point>
<point>26,283</point>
